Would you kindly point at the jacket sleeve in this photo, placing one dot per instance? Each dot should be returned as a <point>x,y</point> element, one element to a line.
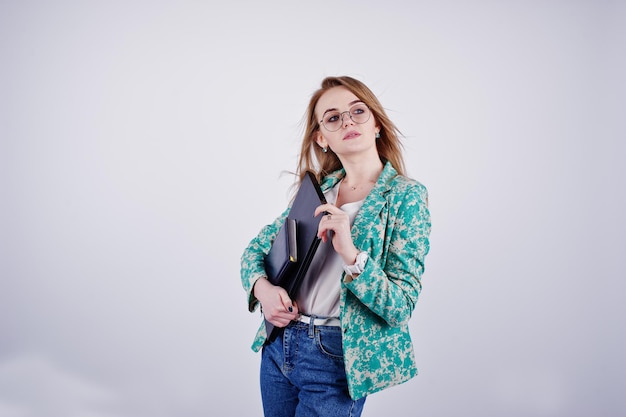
<point>390,284</point>
<point>252,260</point>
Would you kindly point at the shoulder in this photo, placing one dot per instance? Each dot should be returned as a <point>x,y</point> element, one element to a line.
<point>405,187</point>
<point>399,185</point>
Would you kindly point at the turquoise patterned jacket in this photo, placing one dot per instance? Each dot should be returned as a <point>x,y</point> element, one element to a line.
<point>393,226</point>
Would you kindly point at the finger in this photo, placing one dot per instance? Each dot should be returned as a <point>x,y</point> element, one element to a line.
<point>287,303</point>
<point>322,232</point>
<point>282,318</point>
<point>280,322</point>
<point>329,208</point>
<point>279,316</point>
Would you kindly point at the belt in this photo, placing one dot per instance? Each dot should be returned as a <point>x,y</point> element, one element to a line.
<point>319,321</point>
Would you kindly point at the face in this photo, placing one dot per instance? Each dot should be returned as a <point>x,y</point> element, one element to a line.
<point>354,135</point>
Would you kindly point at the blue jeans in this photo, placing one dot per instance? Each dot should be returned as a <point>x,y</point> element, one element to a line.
<point>303,375</point>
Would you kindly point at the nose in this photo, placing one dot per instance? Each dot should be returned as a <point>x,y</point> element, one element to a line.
<point>345,121</point>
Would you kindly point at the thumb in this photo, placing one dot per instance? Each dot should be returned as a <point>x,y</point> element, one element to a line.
<point>287,303</point>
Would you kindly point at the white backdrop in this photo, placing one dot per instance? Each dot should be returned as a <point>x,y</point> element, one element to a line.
<point>142,145</point>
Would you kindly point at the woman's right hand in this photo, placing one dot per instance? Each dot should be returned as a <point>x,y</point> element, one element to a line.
<point>276,305</point>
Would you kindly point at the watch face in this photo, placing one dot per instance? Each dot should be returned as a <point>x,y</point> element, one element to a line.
<point>359,264</point>
<point>361,259</point>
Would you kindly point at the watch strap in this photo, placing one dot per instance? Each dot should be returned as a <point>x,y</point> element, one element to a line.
<point>359,266</point>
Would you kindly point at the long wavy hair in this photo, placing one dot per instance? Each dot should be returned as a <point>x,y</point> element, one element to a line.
<point>312,158</point>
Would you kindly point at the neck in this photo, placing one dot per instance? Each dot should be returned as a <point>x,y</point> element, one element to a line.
<point>362,173</point>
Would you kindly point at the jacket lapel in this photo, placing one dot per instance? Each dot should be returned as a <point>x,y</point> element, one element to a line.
<point>372,216</point>
<point>332,179</point>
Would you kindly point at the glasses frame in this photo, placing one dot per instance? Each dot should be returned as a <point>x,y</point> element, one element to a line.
<point>349,114</point>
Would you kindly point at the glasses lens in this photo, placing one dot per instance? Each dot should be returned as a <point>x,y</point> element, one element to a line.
<point>360,113</point>
<point>332,121</point>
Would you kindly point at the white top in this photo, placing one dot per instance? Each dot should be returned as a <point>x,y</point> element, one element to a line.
<point>319,292</point>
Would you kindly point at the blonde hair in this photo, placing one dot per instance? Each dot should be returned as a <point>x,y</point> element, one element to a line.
<point>312,158</point>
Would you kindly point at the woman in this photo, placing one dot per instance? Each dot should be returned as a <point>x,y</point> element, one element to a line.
<point>346,335</point>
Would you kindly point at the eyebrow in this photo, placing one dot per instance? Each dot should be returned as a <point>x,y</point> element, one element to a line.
<point>352,103</point>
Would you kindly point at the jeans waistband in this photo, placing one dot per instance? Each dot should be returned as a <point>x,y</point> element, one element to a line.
<point>319,321</point>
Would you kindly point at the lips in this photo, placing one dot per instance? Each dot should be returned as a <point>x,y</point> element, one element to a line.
<point>351,135</point>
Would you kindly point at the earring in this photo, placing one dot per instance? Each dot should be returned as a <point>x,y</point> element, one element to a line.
<point>377,135</point>
<point>324,150</point>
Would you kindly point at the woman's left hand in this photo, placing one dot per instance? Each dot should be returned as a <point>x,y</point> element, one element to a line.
<point>337,221</point>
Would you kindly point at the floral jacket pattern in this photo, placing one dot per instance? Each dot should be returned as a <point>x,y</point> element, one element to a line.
<point>393,226</point>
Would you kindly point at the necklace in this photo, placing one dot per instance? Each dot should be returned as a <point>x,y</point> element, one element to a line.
<point>355,187</point>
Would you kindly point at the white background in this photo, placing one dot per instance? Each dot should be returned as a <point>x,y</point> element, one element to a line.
<point>144,143</point>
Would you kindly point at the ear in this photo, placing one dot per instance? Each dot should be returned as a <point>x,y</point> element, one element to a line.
<point>321,140</point>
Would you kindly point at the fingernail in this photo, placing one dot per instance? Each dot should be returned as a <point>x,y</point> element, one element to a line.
<point>290,309</point>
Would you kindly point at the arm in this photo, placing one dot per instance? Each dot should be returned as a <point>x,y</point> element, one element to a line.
<point>277,307</point>
<point>252,259</point>
<point>390,285</point>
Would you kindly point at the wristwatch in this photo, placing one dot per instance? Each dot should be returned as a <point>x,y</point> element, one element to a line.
<point>359,265</point>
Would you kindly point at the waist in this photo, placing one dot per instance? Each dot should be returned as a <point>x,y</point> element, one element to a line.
<point>319,321</point>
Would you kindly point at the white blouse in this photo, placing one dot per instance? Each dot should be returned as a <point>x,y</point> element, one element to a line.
<point>319,291</point>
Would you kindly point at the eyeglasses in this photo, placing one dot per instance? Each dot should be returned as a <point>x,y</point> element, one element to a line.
<point>359,113</point>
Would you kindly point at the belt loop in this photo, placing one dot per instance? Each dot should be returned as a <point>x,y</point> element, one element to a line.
<point>312,327</point>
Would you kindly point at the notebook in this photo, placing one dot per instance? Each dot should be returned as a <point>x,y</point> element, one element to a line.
<point>293,248</point>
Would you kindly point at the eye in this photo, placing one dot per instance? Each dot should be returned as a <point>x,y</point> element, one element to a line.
<point>331,118</point>
<point>360,109</point>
